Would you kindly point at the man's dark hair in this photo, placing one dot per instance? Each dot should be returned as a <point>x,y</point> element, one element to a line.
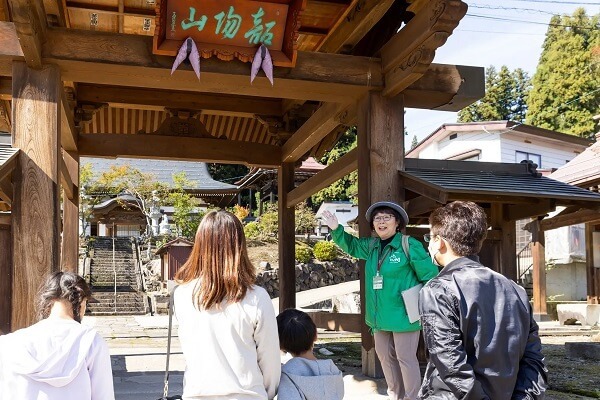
<point>390,211</point>
<point>297,331</point>
<point>463,224</point>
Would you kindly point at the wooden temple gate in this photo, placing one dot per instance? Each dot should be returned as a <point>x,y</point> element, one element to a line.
<point>80,79</point>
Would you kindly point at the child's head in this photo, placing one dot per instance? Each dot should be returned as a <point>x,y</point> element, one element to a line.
<point>297,331</point>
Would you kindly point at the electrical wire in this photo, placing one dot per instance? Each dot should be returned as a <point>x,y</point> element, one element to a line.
<point>495,18</point>
<point>557,2</point>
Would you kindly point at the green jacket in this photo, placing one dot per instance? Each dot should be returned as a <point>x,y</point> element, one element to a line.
<point>385,310</point>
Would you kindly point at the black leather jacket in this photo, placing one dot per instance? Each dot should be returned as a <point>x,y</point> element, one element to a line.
<point>482,339</point>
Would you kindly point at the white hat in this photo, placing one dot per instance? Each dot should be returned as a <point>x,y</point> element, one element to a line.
<point>389,204</point>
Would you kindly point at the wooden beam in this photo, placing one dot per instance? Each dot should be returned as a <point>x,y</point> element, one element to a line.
<point>446,88</point>
<point>68,131</point>
<point>428,21</point>
<point>127,60</point>
<point>66,181</point>
<point>421,205</point>
<point>70,233</point>
<point>178,99</point>
<point>319,125</point>
<point>10,44</point>
<point>578,217</point>
<point>286,238</point>
<point>360,17</point>
<point>36,206</point>
<point>516,212</point>
<point>9,165</point>
<point>178,148</point>
<point>6,190</point>
<point>424,189</point>
<point>336,321</point>
<point>29,18</point>
<point>342,167</point>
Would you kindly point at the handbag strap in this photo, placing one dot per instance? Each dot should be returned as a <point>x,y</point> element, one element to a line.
<point>171,308</point>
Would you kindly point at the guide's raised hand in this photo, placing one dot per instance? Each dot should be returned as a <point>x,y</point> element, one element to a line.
<point>331,220</point>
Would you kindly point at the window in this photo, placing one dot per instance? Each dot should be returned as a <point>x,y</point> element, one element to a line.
<point>522,155</point>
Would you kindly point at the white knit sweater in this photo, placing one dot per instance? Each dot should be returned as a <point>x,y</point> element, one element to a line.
<point>231,352</point>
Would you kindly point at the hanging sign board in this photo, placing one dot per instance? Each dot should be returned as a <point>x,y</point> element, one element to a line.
<point>230,28</point>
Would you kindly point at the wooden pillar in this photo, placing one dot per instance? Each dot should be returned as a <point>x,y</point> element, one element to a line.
<point>509,247</point>
<point>593,271</point>
<point>6,279</point>
<point>539,272</point>
<point>36,98</point>
<point>380,155</point>
<point>286,238</point>
<point>70,234</point>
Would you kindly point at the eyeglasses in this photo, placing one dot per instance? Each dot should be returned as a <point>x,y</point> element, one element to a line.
<point>383,218</point>
<point>428,236</point>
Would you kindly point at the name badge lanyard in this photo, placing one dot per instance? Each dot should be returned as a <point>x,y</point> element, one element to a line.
<point>378,279</point>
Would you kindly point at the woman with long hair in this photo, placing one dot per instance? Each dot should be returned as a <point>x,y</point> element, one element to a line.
<point>227,325</point>
<point>58,357</point>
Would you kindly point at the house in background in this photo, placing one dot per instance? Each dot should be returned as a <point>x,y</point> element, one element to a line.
<point>111,218</point>
<point>512,142</point>
<point>345,212</point>
<point>173,255</point>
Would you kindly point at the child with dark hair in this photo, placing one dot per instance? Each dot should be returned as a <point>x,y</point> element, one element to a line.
<point>58,357</point>
<point>304,377</point>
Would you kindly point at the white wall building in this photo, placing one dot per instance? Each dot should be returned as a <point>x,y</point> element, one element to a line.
<point>344,211</point>
<point>511,142</point>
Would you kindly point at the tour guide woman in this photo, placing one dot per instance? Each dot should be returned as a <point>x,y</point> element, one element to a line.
<point>388,272</point>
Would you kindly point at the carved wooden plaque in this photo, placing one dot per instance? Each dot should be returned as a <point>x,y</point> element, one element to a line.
<point>230,28</point>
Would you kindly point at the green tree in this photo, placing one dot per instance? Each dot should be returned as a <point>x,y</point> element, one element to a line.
<point>566,84</point>
<point>304,218</point>
<point>505,97</point>
<point>345,188</point>
<point>415,142</point>
<point>185,214</point>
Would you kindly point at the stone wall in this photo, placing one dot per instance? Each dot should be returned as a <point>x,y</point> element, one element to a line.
<point>312,275</point>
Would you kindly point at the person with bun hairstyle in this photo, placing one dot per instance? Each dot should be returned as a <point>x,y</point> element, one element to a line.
<point>394,263</point>
<point>58,357</point>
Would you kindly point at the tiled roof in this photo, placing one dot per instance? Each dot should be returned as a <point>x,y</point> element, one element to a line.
<point>163,171</point>
<point>583,170</point>
<point>497,179</point>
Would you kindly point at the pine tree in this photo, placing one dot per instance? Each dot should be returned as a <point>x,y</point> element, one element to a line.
<point>505,97</point>
<point>565,92</point>
<point>414,143</point>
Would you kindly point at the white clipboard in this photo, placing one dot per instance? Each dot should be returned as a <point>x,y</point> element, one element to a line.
<point>411,301</point>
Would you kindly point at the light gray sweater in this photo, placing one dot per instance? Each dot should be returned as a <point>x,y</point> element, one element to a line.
<point>303,379</point>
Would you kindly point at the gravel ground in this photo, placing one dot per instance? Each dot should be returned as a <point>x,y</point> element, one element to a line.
<point>568,378</point>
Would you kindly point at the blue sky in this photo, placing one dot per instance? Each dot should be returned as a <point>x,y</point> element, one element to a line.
<point>482,40</point>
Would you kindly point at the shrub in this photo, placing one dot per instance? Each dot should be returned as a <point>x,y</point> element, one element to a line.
<point>303,254</point>
<point>252,231</point>
<point>325,251</point>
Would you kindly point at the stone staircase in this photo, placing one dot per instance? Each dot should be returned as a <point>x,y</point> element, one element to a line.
<point>129,299</point>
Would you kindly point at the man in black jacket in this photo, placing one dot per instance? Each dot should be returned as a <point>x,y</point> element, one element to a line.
<point>478,325</point>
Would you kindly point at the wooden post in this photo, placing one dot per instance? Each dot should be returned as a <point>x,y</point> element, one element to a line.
<point>36,98</point>
<point>509,247</point>
<point>286,238</point>
<point>539,272</point>
<point>380,156</point>
<point>593,271</point>
<point>6,279</point>
<point>70,235</point>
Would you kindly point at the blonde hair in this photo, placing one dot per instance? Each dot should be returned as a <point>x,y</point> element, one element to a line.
<point>220,260</point>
